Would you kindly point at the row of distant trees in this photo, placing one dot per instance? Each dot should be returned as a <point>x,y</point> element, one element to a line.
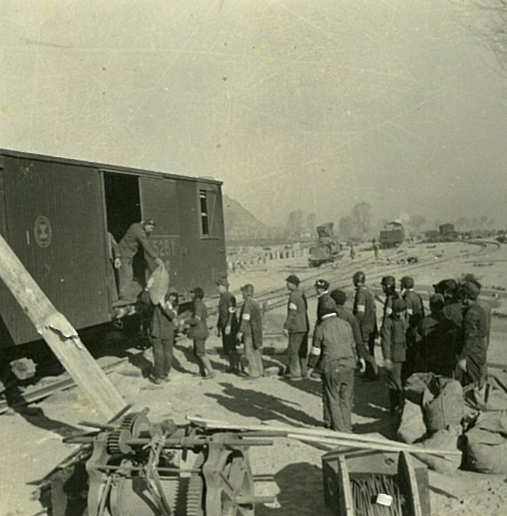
<point>359,225</point>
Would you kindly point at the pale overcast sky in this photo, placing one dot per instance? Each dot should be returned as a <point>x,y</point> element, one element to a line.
<point>294,104</point>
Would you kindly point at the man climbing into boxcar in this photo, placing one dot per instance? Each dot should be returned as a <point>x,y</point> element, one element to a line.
<point>364,310</point>
<point>296,326</point>
<point>227,324</point>
<point>136,237</point>
<point>250,332</point>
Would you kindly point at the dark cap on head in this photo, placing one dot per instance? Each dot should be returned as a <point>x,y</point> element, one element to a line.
<point>322,283</point>
<point>198,291</point>
<point>471,290</point>
<point>149,222</point>
<point>388,281</point>
<point>399,305</point>
<point>293,279</point>
<point>407,282</point>
<point>339,296</point>
<point>222,282</point>
<point>171,291</point>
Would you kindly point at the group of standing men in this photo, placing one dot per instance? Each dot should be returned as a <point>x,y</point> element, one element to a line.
<point>451,340</point>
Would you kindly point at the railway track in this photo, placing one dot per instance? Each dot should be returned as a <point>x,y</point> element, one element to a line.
<point>339,277</point>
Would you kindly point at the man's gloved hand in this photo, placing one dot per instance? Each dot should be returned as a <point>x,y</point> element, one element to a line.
<point>239,336</point>
<point>462,364</point>
<point>117,263</point>
<point>362,365</point>
<point>388,364</point>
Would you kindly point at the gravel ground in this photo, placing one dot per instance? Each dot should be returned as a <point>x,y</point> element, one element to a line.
<point>34,436</point>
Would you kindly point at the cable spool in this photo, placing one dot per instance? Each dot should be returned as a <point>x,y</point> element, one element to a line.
<point>374,487</point>
<point>365,492</point>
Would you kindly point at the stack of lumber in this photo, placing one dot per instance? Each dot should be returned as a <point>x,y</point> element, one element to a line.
<point>327,438</point>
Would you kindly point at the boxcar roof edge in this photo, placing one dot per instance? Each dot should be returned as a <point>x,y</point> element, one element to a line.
<point>108,167</point>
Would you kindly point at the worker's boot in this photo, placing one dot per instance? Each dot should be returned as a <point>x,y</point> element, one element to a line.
<point>210,373</point>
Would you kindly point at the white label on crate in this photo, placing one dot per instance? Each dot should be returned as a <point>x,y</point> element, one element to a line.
<point>384,499</point>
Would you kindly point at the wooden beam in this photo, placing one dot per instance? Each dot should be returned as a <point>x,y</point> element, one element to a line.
<point>59,334</point>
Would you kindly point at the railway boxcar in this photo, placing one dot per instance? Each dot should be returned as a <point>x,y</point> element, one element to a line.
<point>392,235</point>
<point>56,214</point>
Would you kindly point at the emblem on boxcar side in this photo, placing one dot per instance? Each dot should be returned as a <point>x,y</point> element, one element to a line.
<point>42,231</point>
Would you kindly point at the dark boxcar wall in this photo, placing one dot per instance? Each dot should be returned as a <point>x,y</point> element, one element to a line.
<point>55,224</point>
<point>203,257</point>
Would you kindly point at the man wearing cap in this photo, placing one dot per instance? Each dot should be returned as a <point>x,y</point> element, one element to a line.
<point>333,353</point>
<point>339,297</point>
<point>388,284</point>
<point>485,305</point>
<point>436,351</point>
<point>324,300</point>
<point>394,349</point>
<point>472,364</point>
<point>136,237</point>
<point>297,326</point>
<point>198,332</point>
<point>227,324</point>
<point>364,310</point>
<point>250,332</point>
<point>414,314</point>
<point>453,308</point>
<point>162,335</point>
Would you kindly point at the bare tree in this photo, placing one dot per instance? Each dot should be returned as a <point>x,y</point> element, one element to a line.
<point>493,27</point>
<point>361,214</point>
<point>347,228</point>
<point>311,222</point>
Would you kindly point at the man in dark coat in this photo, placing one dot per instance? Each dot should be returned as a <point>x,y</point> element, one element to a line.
<point>388,284</point>
<point>333,351</point>
<point>162,335</point>
<point>364,310</point>
<point>297,326</point>
<point>198,332</point>
<point>472,364</point>
<point>250,332</point>
<point>136,238</point>
<point>436,349</point>
<point>227,324</point>
<point>414,314</point>
<point>394,349</point>
<point>339,297</point>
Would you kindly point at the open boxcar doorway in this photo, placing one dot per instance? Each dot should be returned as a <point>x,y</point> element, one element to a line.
<point>123,208</point>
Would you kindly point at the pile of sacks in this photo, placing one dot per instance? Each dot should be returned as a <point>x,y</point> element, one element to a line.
<point>486,426</point>
<point>438,414</point>
<point>431,418</point>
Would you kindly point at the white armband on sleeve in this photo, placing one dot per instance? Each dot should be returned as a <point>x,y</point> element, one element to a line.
<point>389,311</point>
<point>293,306</point>
<point>314,350</point>
<point>232,310</point>
<point>410,311</point>
<point>246,317</point>
<point>361,308</point>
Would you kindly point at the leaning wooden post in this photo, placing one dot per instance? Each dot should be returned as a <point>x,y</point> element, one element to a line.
<point>59,334</point>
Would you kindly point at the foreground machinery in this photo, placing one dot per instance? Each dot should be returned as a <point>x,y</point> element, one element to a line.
<point>327,249</point>
<point>134,468</point>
